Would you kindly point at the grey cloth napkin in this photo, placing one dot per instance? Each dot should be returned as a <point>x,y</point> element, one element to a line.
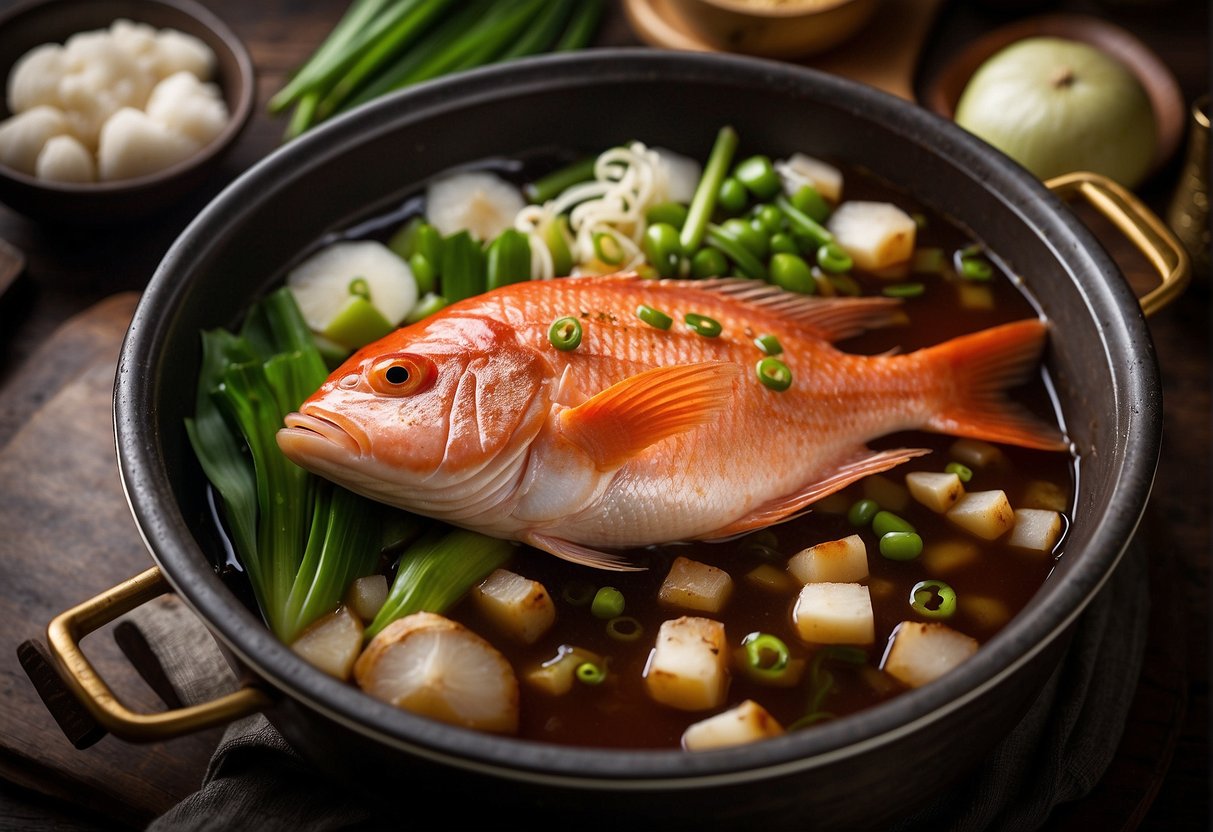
<point>1057,753</point>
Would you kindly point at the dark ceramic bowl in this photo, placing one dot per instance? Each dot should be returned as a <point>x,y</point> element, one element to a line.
<point>100,203</point>
<point>854,772</point>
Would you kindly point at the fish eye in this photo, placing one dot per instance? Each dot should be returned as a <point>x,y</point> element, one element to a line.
<point>401,374</point>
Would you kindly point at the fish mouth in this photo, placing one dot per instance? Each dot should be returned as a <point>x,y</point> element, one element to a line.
<point>314,425</point>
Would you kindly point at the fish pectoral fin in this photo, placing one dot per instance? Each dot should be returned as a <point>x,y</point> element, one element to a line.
<point>576,553</point>
<point>783,508</point>
<point>621,421</point>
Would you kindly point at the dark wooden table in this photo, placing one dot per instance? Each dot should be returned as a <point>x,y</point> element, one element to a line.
<point>70,270</point>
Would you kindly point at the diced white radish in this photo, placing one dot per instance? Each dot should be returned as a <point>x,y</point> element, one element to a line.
<point>922,652</point>
<point>748,722</point>
<point>435,667</point>
<point>834,613</point>
<point>479,202</point>
<point>977,454</point>
<point>695,586</point>
<point>1035,529</point>
<point>835,561</point>
<point>990,613</point>
<point>799,170</point>
<point>788,678</point>
<point>190,107</point>
<point>987,514</point>
<point>23,136</point>
<point>875,234</point>
<point>321,283</point>
<point>556,675</point>
<point>64,159</point>
<point>680,173</point>
<point>332,643</point>
<point>366,595</point>
<point>887,494</point>
<point>130,145</point>
<point>517,606</point>
<point>771,578</point>
<point>935,490</point>
<point>942,557</point>
<point>688,667</point>
<point>1044,494</point>
<point>974,296</point>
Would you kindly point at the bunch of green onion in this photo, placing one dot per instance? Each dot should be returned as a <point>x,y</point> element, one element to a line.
<point>384,45</point>
<point>300,539</point>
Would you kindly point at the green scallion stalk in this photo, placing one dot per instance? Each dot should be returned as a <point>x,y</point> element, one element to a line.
<point>558,181</point>
<point>462,271</point>
<point>801,223</point>
<point>581,28</point>
<point>543,31</point>
<point>731,247</point>
<point>704,201</point>
<point>508,259</point>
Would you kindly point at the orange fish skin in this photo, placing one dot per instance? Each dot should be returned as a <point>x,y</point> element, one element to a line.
<point>641,435</point>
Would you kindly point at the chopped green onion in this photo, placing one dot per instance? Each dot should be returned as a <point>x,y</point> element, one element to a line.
<point>608,603</point>
<point>653,317</point>
<point>928,261</point>
<point>769,344</point>
<point>565,333</point>
<point>964,472</point>
<point>768,218</point>
<point>704,201</point>
<point>862,512</point>
<point>933,599</point>
<point>759,176</point>
<point>766,654</point>
<point>671,213</point>
<point>900,545</point>
<point>884,522</point>
<point>508,260</point>
<point>703,325</point>
<point>590,674</point>
<point>904,290</point>
<point>754,240</point>
<point>774,374</point>
<point>747,263</point>
<point>607,248</point>
<point>578,593</point>
<point>708,262</point>
<point>424,273</point>
<point>426,306</point>
<point>624,628</point>
<point>833,259</point>
<point>359,288</point>
<point>662,248</point>
<point>404,242</point>
<point>792,273</point>
<point>582,27</point>
<point>809,201</point>
<point>782,243</point>
<point>821,681</point>
<point>462,272</point>
<point>732,197</point>
<point>556,236</point>
<point>976,268</point>
<point>555,183</point>
<point>803,224</point>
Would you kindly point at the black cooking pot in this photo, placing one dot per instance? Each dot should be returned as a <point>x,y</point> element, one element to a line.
<point>854,771</point>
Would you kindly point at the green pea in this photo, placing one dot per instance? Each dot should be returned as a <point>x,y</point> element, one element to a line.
<point>884,522</point>
<point>900,545</point>
<point>791,272</point>
<point>759,176</point>
<point>671,213</point>
<point>768,217</point>
<point>708,262</point>
<point>861,512</point>
<point>754,241</point>
<point>808,201</point>
<point>782,243</point>
<point>732,197</point>
<point>662,248</point>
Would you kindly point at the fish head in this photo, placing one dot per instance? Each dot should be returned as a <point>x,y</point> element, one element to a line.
<point>427,406</point>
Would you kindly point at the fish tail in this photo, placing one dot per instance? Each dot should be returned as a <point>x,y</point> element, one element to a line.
<point>984,366</point>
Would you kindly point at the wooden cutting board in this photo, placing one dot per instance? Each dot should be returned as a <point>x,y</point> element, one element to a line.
<point>65,535</point>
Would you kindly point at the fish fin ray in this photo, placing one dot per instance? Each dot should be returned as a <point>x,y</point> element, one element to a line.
<point>614,425</point>
<point>985,365</point>
<point>581,555</point>
<point>788,506</point>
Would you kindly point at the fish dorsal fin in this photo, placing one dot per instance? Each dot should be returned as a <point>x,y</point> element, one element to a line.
<point>621,421</point>
<point>831,319</point>
<point>782,508</point>
<point>578,554</point>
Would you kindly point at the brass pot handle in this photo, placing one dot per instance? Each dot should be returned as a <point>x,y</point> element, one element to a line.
<point>1137,222</point>
<point>63,637</point>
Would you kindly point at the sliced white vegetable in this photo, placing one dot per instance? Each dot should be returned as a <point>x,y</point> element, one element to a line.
<point>517,606</point>
<point>935,490</point>
<point>976,453</point>
<point>332,643</point>
<point>922,652</point>
<point>321,283</point>
<point>987,514</point>
<point>34,79</point>
<point>695,586</point>
<point>64,159</point>
<point>132,145</point>
<point>835,561</point>
<point>889,495</point>
<point>557,675</point>
<point>688,668</point>
<point>680,175</point>
<point>799,170</point>
<point>366,595</point>
<point>178,52</point>
<point>23,136</point>
<point>435,667</point>
<point>480,202</point>
<point>748,722</point>
<point>834,613</point>
<point>1035,529</point>
<point>771,578</point>
<point>875,234</point>
<point>183,103</point>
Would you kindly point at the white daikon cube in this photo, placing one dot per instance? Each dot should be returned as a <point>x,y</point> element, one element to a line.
<point>688,668</point>
<point>556,675</point>
<point>695,586</point>
<point>332,643</point>
<point>875,234</point>
<point>834,613</point>
<point>516,605</point>
<point>1035,529</point>
<point>889,495</point>
<point>987,514</point>
<point>800,170</point>
<point>835,561</point>
<point>941,557</point>
<point>937,491</point>
<point>771,578</point>
<point>922,652</point>
<point>746,723</point>
<point>976,454</point>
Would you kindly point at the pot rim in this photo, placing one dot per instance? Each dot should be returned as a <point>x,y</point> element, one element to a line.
<point>1056,605</point>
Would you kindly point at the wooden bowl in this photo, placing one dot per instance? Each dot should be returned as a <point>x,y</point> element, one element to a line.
<point>101,203</point>
<point>944,91</point>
